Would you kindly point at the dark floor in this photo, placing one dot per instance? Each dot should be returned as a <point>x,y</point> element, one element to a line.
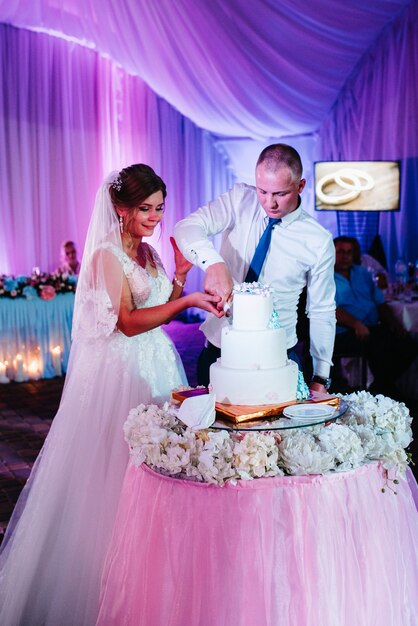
<point>27,409</point>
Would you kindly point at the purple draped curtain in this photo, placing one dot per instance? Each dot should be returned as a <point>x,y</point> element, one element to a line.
<point>67,117</point>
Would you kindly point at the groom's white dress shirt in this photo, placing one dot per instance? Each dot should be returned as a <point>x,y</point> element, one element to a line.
<point>301,253</point>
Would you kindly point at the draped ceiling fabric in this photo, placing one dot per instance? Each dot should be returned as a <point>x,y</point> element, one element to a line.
<point>244,68</point>
<point>249,72</point>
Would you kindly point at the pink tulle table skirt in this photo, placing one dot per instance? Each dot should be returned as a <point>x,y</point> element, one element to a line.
<point>286,551</point>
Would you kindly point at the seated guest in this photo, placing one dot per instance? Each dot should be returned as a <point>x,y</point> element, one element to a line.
<point>364,321</point>
<point>69,262</point>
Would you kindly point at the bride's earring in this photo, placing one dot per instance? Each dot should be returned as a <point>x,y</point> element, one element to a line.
<point>121,224</point>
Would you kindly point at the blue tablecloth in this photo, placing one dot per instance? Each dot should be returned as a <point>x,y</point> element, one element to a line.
<point>32,328</point>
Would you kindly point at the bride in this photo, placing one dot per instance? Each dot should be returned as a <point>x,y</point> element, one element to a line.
<point>54,548</point>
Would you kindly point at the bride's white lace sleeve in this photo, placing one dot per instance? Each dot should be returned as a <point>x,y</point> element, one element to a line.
<point>97,303</point>
<point>97,316</point>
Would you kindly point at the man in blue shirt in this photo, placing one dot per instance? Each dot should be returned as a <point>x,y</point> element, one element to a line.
<point>366,322</point>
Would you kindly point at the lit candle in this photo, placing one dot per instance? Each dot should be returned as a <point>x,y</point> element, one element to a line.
<point>3,377</point>
<point>33,369</point>
<point>56,360</point>
<point>19,371</point>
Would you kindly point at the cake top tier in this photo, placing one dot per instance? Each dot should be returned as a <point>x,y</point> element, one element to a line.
<point>252,306</point>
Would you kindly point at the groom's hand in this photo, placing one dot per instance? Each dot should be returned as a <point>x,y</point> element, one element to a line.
<point>218,282</point>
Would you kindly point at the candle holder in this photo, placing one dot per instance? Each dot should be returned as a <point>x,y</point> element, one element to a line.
<point>20,375</point>
<point>56,360</point>
<point>3,376</point>
<point>34,369</point>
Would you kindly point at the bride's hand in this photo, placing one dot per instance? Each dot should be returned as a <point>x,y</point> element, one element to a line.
<point>206,302</point>
<point>181,263</point>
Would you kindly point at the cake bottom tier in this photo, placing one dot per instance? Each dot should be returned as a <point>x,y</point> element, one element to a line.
<point>254,387</point>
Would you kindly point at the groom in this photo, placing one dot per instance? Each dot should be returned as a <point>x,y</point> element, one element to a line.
<point>266,236</point>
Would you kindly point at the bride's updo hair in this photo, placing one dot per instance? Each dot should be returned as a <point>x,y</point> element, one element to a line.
<point>134,184</point>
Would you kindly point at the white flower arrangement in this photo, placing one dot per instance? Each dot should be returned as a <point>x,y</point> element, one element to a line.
<point>374,428</point>
<point>383,426</point>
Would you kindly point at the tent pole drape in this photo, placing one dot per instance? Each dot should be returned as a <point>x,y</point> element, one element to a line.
<point>376,117</point>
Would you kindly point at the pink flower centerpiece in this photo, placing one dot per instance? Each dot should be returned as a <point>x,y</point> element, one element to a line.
<point>47,292</point>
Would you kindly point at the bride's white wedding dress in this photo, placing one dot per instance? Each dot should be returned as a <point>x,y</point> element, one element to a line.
<point>53,554</point>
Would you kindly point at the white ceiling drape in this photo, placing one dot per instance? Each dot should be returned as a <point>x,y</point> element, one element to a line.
<point>376,117</point>
<point>244,68</point>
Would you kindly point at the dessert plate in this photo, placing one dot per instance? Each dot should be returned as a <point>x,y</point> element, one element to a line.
<point>309,411</point>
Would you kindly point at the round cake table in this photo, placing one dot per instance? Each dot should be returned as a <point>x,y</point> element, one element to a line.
<point>328,550</point>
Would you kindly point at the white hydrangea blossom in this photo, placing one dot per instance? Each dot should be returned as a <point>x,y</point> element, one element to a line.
<point>343,444</point>
<point>214,461</point>
<point>383,425</point>
<point>256,456</point>
<point>372,443</point>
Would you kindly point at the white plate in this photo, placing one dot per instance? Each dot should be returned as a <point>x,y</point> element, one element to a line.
<point>309,411</point>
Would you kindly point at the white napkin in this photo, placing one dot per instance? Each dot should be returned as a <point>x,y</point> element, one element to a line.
<point>198,412</point>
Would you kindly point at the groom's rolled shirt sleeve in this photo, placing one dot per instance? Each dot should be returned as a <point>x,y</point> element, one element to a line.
<point>192,233</point>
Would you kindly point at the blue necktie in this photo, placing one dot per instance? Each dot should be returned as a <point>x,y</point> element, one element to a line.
<point>260,252</point>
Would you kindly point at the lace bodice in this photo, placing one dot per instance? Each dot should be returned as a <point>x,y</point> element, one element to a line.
<point>146,290</point>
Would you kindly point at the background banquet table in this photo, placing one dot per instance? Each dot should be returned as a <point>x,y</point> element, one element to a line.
<point>407,313</point>
<point>282,551</point>
<point>34,329</point>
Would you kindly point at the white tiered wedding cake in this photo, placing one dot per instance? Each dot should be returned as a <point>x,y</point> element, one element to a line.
<point>253,368</point>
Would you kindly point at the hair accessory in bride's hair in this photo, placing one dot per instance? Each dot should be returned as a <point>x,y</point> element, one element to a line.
<point>117,183</point>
